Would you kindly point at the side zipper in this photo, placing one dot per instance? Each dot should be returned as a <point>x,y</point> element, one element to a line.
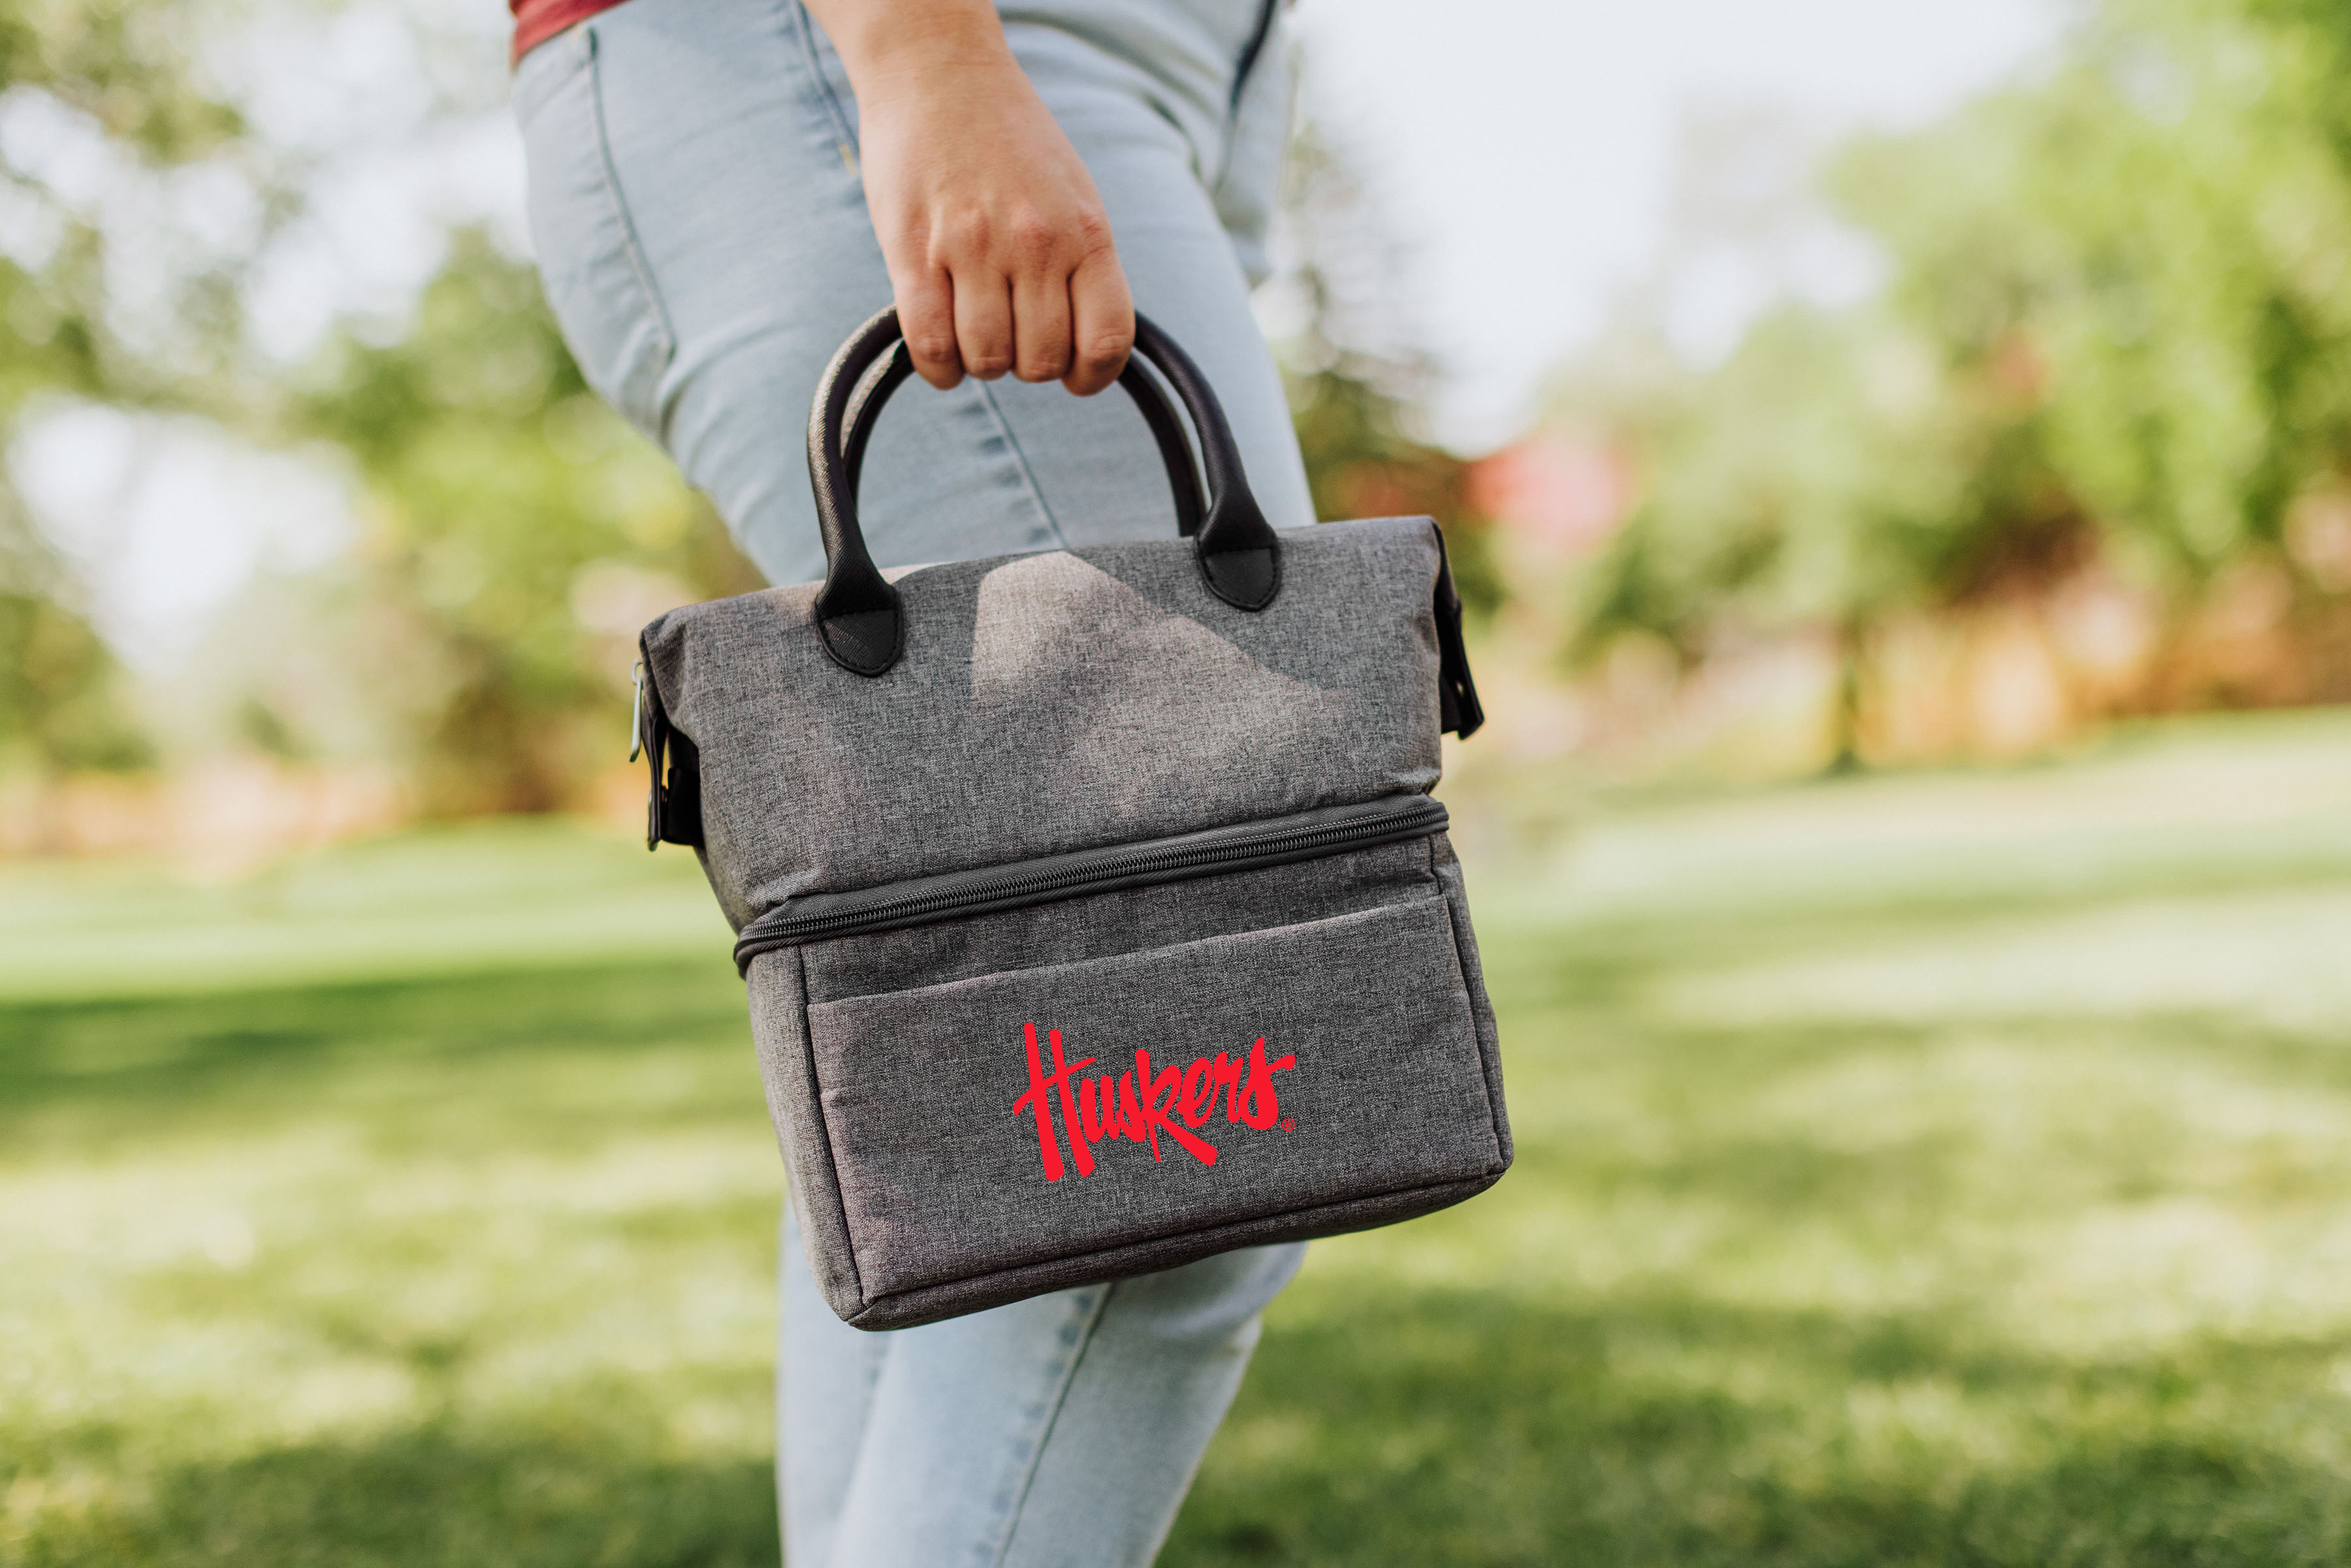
<point>918,901</point>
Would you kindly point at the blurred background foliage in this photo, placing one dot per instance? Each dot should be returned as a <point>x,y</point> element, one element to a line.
<point>516,536</point>
<point>121,70</point>
<point>1941,1165</point>
<point>2086,451</point>
<point>2105,373</point>
<point>511,533</point>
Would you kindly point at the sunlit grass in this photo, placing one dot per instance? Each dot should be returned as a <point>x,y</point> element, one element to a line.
<point>466,1270</point>
<point>1945,1170</point>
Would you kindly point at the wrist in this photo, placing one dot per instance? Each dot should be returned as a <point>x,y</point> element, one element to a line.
<point>893,45</point>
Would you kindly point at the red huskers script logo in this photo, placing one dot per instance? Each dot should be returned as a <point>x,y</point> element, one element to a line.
<point>1139,1105</point>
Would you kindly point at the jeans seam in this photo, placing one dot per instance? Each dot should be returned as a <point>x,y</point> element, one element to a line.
<point>631,248</point>
<point>1252,55</point>
<point>806,27</point>
<point>1052,1417</point>
<point>1246,72</point>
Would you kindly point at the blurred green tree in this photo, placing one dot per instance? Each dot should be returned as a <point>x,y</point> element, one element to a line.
<point>2162,229</point>
<point>63,707</point>
<point>2116,325</point>
<point>516,534</point>
<point>1830,473</point>
<point>511,528</point>
<point>122,74</point>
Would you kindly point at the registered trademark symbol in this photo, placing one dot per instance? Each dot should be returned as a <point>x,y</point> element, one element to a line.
<point>1289,1125</point>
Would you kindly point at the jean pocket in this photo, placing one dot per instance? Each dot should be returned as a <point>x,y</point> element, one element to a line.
<point>590,261</point>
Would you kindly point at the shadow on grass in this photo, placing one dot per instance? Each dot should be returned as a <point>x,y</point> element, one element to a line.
<point>429,1498</point>
<point>1400,1425</point>
<point>1441,1428</point>
<point>1469,1429</point>
<point>246,1045</point>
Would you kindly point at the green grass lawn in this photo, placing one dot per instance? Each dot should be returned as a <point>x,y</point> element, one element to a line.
<point>1935,1169</point>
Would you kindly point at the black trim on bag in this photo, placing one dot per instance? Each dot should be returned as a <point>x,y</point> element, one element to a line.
<point>860,619</point>
<point>674,803</point>
<point>1459,709</point>
<point>918,901</point>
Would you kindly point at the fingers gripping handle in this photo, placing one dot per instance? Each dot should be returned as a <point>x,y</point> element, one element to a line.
<point>859,615</point>
<point>897,364</point>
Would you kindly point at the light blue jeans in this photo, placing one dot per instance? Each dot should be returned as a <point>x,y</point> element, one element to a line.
<point>701,231</point>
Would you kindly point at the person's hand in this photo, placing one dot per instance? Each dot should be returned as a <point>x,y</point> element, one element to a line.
<point>998,250</point>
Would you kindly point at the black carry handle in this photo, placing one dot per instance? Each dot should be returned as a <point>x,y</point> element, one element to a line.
<point>1175,447</point>
<point>858,614</point>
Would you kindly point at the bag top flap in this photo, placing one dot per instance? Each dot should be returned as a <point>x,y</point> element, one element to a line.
<point>1053,702</point>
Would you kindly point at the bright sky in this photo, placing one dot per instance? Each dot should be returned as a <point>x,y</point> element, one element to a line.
<point>1528,153</point>
<point>1528,148</point>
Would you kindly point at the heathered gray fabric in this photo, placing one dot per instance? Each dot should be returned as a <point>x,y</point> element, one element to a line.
<point>918,1093</point>
<point>1067,701</point>
<point>1447,870</point>
<point>1134,920</point>
<point>1053,702</point>
<point>922,1194</point>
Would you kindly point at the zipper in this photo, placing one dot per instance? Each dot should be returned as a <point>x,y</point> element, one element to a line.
<point>1307,835</point>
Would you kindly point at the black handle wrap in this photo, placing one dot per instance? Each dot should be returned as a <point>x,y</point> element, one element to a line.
<point>858,613</point>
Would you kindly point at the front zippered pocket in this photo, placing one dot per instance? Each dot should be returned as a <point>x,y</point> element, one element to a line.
<point>1306,835</point>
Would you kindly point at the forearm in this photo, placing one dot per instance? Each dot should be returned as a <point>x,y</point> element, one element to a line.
<point>1000,255</point>
<point>895,47</point>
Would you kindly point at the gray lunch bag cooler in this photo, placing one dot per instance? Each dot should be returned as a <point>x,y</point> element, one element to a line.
<point>1094,910</point>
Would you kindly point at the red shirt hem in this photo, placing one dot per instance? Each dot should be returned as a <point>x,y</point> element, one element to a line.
<point>535,21</point>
